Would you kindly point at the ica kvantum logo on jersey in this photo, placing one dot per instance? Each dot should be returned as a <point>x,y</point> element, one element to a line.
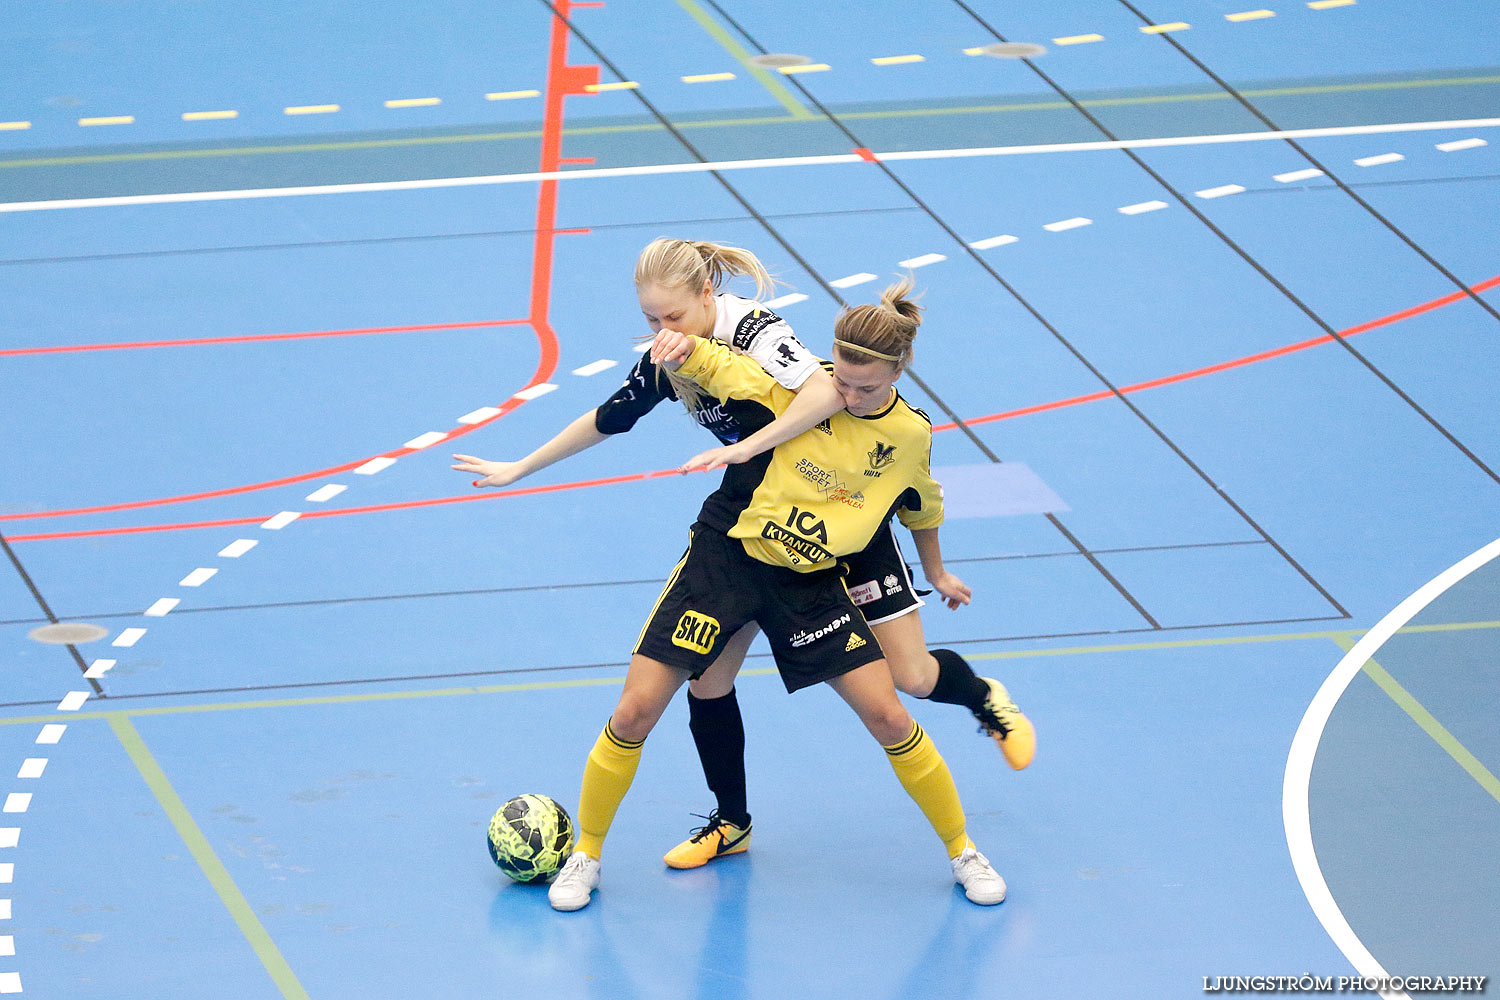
<point>805,526</point>
<point>882,455</point>
<point>696,632</point>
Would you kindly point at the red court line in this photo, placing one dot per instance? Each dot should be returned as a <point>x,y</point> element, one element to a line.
<point>255,338</point>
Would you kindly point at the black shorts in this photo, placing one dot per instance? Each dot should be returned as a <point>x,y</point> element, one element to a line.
<point>879,580</point>
<point>814,628</point>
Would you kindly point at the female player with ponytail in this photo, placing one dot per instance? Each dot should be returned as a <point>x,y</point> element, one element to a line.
<point>678,282</point>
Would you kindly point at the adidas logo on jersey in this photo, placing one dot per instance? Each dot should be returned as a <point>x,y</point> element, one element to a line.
<point>854,642</point>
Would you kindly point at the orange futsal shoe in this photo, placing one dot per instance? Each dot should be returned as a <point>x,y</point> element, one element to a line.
<point>1012,731</point>
<point>715,839</point>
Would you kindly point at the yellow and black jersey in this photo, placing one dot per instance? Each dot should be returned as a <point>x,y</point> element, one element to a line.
<point>824,493</point>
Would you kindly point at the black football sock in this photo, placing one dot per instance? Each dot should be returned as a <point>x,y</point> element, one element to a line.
<point>719,733</point>
<point>957,683</point>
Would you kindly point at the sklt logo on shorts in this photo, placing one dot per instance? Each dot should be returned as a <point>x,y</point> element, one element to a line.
<point>854,642</point>
<point>865,593</point>
<point>696,632</point>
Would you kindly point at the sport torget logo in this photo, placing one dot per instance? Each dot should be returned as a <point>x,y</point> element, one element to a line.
<point>696,631</point>
<point>804,637</point>
<point>828,483</point>
<point>882,455</point>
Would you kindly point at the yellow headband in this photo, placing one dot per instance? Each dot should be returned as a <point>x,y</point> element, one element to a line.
<point>865,350</point>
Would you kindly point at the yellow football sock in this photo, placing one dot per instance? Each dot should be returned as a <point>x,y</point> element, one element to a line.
<point>606,778</point>
<point>925,776</point>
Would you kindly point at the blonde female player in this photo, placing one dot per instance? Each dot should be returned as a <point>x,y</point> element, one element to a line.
<point>677,282</point>
<point>766,549</point>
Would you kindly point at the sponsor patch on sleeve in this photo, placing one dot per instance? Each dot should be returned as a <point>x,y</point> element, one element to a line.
<point>751,325</point>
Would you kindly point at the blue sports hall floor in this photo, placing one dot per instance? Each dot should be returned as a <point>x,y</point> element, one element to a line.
<point>1224,279</point>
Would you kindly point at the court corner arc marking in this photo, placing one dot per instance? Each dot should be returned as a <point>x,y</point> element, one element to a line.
<point>1295,814</point>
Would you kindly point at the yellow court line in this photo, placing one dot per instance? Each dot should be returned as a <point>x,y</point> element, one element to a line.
<point>414,102</point>
<point>1429,723</point>
<point>311,109</point>
<point>708,78</point>
<point>600,88</point>
<point>1077,39</point>
<point>511,95</point>
<point>204,116</point>
<point>808,68</point>
<point>897,60</point>
<point>13,126</point>
<point>1162,29</point>
<point>1329,4</point>
<point>112,120</point>
<point>1250,15</point>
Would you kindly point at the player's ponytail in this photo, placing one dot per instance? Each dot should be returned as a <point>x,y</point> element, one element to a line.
<point>883,332</point>
<point>690,264</point>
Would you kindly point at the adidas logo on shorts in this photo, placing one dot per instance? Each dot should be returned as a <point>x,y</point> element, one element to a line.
<point>854,643</point>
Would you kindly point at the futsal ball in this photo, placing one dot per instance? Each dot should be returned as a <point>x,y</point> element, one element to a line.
<point>530,838</point>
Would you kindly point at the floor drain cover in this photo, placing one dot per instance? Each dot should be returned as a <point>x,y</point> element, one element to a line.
<point>68,634</point>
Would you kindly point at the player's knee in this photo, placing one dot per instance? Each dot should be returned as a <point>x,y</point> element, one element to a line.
<point>633,718</point>
<point>914,675</point>
<point>890,722</point>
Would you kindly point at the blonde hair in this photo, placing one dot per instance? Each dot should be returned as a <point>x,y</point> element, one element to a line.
<point>884,332</point>
<point>690,265</point>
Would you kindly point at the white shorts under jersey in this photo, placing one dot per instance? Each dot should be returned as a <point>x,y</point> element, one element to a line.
<point>755,330</point>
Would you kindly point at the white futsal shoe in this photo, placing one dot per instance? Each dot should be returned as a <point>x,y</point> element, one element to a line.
<point>579,877</point>
<point>972,870</point>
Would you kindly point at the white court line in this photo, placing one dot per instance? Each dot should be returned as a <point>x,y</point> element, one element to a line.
<point>594,368</point>
<point>1295,815</point>
<point>98,669</point>
<point>72,701</point>
<point>7,945</point>
<point>1375,161</point>
<point>1298,175</point>
<point>921,261</point>
<point>375,465</point>
<point>283,519</point>
<point>10,982</point>
<point>198,577</point>
<point>540,389</point>
<point>32,767</point>
<point>426,440</point>
<point>10,836</point>
<point>322,494</point>
<point>1145,206</point>
<point>994,241</point>
<point>1220,191</point>
<point>51,733</point>
<point>162,607</point>
<point>238,547</point>
<point>8,870</point>
<point>1457,144</point>
<point>785,161</point>
<point>480,415</point>
<point>786,300</point>
<point>851,280</point>
<point>129,637</point>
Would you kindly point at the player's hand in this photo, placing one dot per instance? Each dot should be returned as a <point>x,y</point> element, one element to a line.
<point>716,458</point>
<point>671,347</point>
<point>490,473</point>
<point>953,590</point>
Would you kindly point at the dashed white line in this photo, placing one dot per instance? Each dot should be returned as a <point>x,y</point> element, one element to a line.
<point>162,606</point>
<point>708,78</point>
<point>594,368</point>
<point>10,982</point>
<point>51,733</point>
<point>325,493</point>
<point>72,701</point>
<point>897,60</point>
<point>129,637</point>
<point>786,300</point>
<point>426,440</point>
<point>1375,161</point>
<point>15,802</point>
<point>10,836</point>
<point>32,767</point>
<point>1457,144</point>
<point>511,95</point>
<point>238,547</point>
<point>7,945</point>
<point>849,281</point>
<point>540,389</point>
<point>283,519</point>
<point>1250,15</point>
<point>1220,191</point>
<point>5,915</point>
<point>1066,224</point>
<point>99,668</point>
<point>198,577</point>
<point>480,415</point>
<point>922,261</point>
<point>1144,206</point>
<point>375,465</point>
<point>994,241</point>
<point>1298,175</point>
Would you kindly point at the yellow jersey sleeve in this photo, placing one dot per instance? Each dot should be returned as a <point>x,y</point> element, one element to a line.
<point>727,375</point>
<point>930,496</point>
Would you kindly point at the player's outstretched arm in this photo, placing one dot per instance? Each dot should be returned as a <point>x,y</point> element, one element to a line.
<point>954,590</point>
<point>580,434</point>
<point>817,400</point>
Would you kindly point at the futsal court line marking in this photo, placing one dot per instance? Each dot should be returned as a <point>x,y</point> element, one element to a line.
<point>563,685</point>
<point>1295,793</point>
<point>660,169</point>
<point>1103,394</point>
<point>1427,721</point>
<point>203,853</point>
<point>777,89</point>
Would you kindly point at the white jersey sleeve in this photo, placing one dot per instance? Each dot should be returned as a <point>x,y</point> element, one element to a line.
<point>757,331</point>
